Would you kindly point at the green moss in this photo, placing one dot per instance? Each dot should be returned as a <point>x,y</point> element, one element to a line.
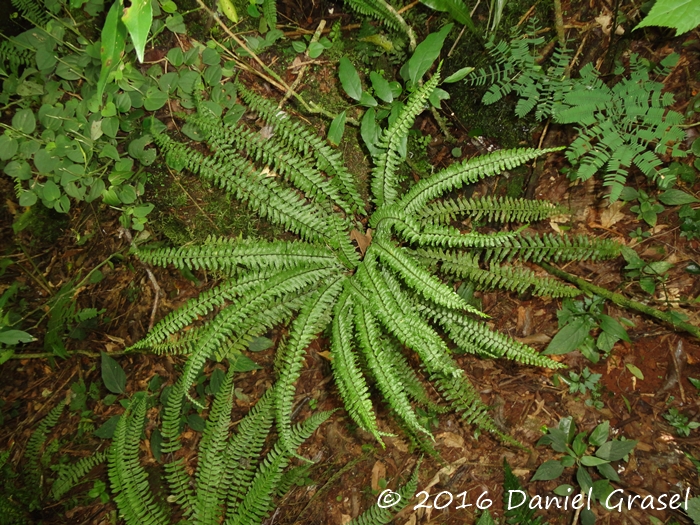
<point>497,121</point>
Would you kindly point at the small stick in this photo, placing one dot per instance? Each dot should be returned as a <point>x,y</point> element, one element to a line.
<point>623,301</point>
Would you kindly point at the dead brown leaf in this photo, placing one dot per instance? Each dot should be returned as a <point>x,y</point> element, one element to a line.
<point>612,214</point>
<point>362,240</point>
<point>378,472</point>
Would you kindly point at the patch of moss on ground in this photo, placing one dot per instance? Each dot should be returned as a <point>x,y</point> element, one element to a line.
<point>188,209</point>
<point>497,121</point>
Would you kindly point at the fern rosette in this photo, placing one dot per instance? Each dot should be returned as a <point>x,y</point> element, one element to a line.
<point>382,304</point>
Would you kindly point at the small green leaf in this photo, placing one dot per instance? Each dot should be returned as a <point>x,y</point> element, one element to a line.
<point>636,372</point>
<point>155,99</point>
<point>682,15</point>
<point>425,54</point>
<point>138,19</point>
<point>613,327</point>
<point>337,128</point>
<point>457,9</point>
<point>569,338</point>
<point>676,198</point>
<point>113,375</point>
<point>196,422</point>
<point>315,49</point>
<point>106,431</point>
<point>24,121</point>
<point>8,147</point>
<point>584,479</point>
<point>51,191</point>
<point>27,198</point>
<point>156,444</point>
<point>485,518</point>
<point>299,46</point>
<point>258,344</point>
<point>229,10</point>
<point>694,382</point>
<point>458,75</point>
<point>367,100</point>
<point>548,470</point>
<point>564,490</point>
<point>592,461</point>
<point>437,95</point>
<point>113,42</point>
<point>615,450</point>
<point>381,87</point>
<point>176,57</point>
<point>600,434</point>
<point>13,337</point>
<point>216,380</point>
<point>5,355</point>
<point>369,130</point>
<point>241,363</point>
<point>349,79</point>
<point>608,472</point>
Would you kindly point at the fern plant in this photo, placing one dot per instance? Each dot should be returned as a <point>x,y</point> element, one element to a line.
<point>620,126</point>
<point>379,305</point>
<point>517,70</point>
<point>230,481</point>
<point>623,125</point>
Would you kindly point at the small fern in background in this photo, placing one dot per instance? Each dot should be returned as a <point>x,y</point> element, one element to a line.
<point>517,70</point>
<point>379,302</point>
<point>620,126</point>
<point>623,125</point>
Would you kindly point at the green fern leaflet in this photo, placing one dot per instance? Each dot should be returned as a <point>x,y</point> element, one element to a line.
<point>396,298</point>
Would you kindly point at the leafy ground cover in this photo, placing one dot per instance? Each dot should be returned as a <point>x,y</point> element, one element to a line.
<point>642,382</point>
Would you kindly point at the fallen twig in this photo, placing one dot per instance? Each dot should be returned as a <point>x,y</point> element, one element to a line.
<point>621,300</point>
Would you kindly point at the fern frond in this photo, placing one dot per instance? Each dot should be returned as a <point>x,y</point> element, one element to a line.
<point>228,255</point>
<point>32,10</point>
<point>395,313</point>
<point>346,372</point>
<point>409,380</point>
<point>305,141</point>
<point>471,335</point>
<point>418,278</point>
<point>313,318</point>
<point>391,387</point>
<point>514,278</point>
<point>466,172</point>
<point>537,248</point>
<point>202,305</point>
<point>269,9</point>
<point>128,479</point>
<point>70,476</point>
<point>393,140</point>
<point>258,500</point>
<point>222,327</point>
<point>298,171</point>
<point>13,56</point>
<point>32,454</point>
<point>211,464</point>
<point>243,450</point>
<point>384,13</point>
<point>493,209</point>
<point>262,194</point>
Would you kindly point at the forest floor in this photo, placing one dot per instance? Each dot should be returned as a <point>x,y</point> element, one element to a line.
<point>351,469</point>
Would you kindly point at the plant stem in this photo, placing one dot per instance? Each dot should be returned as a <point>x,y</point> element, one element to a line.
<point>623,301</point>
